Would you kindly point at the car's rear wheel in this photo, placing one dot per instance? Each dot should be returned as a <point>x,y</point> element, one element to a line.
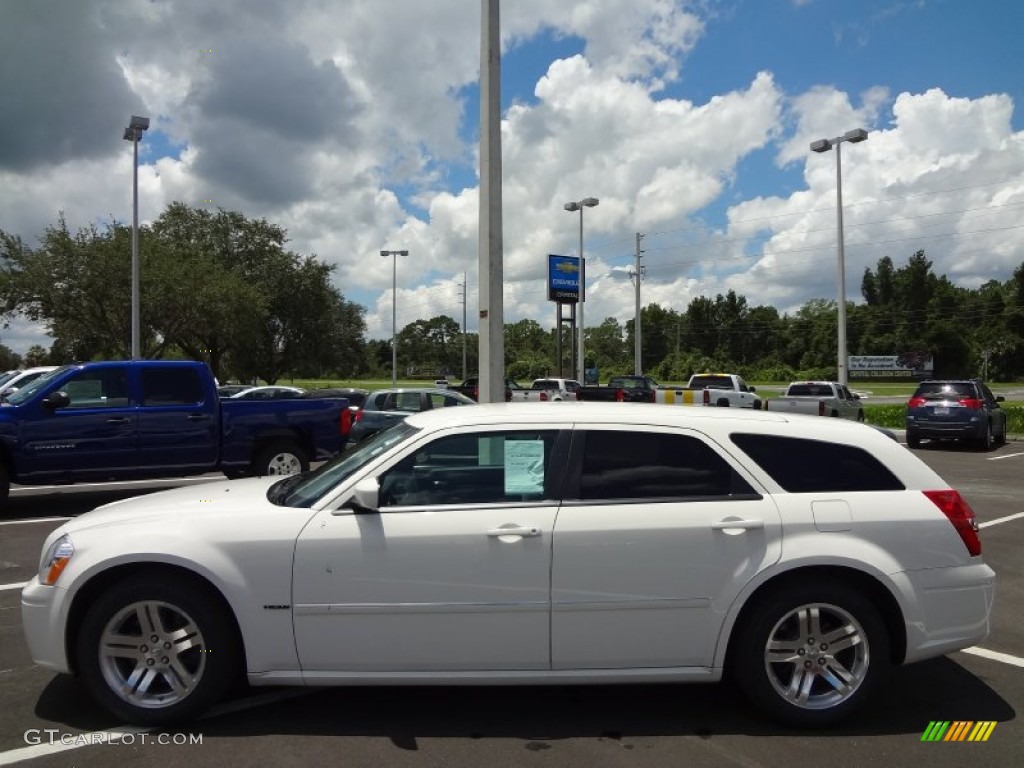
<point>155,651</point>
<point>811,654</point>
<point>913,440</point>
<point>283,458</point>
<point>988,440</point>
<point>5,485</point>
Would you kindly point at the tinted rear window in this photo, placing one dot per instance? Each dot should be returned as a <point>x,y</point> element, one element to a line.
<point>946,388</point>
<point>816,466</point>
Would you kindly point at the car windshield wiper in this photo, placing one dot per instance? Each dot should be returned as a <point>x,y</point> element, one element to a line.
<point>279,490</point>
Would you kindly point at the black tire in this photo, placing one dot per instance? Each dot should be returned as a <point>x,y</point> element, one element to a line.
<point>810,655</point>
<point>1001,437</point>
<point>860,416</point>
<point>5,485</point>
<point>913,440</point>
<point>281,458</point>
<point>988,440</point>
<point>234,474</point>
<point>723,402</point>
<point>174,685</point>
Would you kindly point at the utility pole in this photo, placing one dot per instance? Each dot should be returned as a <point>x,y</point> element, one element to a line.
<point>637,275</point>
<point>465,374</point>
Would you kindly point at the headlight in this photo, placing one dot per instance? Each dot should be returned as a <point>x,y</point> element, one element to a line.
<point>55,560</point>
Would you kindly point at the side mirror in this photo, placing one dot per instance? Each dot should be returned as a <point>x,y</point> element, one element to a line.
<point>365,497</point>
<point>1000,399</point>
<point>751,389</point>
<point>55,400</point>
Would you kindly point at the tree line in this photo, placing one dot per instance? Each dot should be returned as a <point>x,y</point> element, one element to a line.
<point>220,287</point>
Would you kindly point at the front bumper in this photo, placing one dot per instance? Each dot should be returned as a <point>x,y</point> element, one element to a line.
<point>43,615</point>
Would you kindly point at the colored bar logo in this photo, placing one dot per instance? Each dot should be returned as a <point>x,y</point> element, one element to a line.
<point>958,730</point>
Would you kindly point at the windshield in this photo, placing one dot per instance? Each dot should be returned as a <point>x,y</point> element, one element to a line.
<point>305,490</point>
<point>29,390</point>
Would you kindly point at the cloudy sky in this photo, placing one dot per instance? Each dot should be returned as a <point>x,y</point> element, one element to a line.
<point>354,124</point>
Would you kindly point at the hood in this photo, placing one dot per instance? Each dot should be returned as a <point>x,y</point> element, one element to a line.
<point>231,498</point>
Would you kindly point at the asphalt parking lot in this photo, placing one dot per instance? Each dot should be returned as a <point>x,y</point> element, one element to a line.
<point>48,720</point>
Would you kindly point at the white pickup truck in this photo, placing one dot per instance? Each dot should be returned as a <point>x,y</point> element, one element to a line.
<point>547,390</point>
<point>819,398</point>
<point>720,389</point>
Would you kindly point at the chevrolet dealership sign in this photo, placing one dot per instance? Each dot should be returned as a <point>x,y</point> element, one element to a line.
<point>563,279</point>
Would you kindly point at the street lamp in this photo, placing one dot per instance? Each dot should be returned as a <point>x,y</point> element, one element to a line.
<point>133,133</point>
<point>586,202</point>
<point>394,302</point>
<point>824,145</point>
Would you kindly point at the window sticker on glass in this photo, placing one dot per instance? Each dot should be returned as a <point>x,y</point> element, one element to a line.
<point>524,466</point>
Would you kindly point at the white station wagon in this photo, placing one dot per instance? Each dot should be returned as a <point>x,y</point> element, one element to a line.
<point>521,544</point>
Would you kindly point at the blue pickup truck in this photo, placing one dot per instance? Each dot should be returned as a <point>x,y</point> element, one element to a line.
<point>136,419</point>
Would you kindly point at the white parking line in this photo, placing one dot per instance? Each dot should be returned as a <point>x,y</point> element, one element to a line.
<point>1006,519</point>
<point>1005,456</point>
<point>1005,658</point>
<point>30,520</point>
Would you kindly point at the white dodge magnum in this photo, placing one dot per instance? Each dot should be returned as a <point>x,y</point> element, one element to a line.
<point>520,544</point>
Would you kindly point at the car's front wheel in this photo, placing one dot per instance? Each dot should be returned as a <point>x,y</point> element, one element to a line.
<point>809,655</point>
<point>155,651</point>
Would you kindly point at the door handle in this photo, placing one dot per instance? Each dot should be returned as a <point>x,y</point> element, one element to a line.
<point>523,531</point>
<point>118,420</point>
<point>746,525</point>
<point>197,417</point>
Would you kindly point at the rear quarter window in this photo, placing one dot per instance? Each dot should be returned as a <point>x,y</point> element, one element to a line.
<point>800,465</point>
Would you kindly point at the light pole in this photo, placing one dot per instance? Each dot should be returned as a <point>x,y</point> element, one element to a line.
<point>133,133</point>
<point>824,145</point>
<point>394,303</point>
<point>586,202</point>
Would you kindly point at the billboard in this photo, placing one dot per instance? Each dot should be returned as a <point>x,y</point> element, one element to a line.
<point>909,365</point>
<point>563,279</point>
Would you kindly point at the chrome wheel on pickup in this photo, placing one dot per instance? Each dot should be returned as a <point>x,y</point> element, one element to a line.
<point>284,458</point>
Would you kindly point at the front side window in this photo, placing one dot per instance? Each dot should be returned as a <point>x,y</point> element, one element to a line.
<point>654,465</point>
<point>98,388</point>
<point>476,468</point>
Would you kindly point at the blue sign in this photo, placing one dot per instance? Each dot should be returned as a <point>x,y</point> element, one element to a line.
<point>563,279</point>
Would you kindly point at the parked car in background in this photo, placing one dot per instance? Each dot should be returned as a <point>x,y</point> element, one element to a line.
<point>143,419</point>
<point>548,390</point>
<point>470,387</point>
<point>960,409</point>
<point>386,407</point>
<point>621,389</point>
<point>819,398</point>
<point>525,544</point>
<point>724,390</point>
<point>274,392</point>
<point>227,390</point>
<point>20,378</point>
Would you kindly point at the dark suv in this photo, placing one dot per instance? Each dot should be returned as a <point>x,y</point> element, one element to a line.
<point>955,409</point>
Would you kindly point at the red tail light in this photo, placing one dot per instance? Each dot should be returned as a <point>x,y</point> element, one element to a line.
<point>960,515</point>
<point>543,396</point>
<point>619,395</point>
<point>916,402</point>
<point>821,407</point>
<point>346,422</point>
<point>971,402</point>
<point>476,393</point>
<point>358,417</point>
<point>707,397</point>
